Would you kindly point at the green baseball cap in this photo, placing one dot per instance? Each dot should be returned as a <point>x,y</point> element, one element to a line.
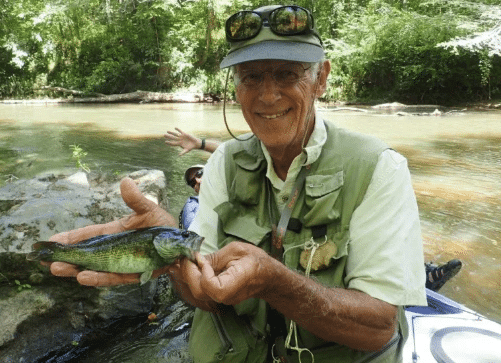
<point>306,47</point>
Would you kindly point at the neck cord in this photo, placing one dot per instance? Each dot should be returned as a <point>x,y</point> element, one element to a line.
<point>224,109</point>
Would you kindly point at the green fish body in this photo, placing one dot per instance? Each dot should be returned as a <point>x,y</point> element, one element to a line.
<point>137,251</point>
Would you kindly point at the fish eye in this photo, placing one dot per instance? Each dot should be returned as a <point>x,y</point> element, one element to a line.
<point>185,234</point>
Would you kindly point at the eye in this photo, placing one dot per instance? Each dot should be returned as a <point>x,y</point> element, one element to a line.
<point>185,234</point>
<point>251,78</point>
<point>286,76</point>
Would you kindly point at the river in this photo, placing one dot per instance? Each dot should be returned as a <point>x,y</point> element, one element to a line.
<point>455,162</point>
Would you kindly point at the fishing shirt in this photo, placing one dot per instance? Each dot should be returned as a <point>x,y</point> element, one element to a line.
<point>385,258</point>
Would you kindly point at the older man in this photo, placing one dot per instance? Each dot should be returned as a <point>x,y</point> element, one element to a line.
<point>312,237</point>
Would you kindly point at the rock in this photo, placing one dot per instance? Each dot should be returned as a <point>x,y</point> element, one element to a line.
<point>45,316</point>
<point>20,307</point>
<point>32,210</point>
<point>390,105</point>
<point>79,178</point>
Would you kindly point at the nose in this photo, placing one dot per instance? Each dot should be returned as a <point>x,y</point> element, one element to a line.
<point>269,90</point>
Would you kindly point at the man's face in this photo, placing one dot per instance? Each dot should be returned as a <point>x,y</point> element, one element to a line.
<point>195,179</point>
<point>276,114</point>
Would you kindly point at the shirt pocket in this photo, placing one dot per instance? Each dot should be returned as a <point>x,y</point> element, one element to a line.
<point>321,195</point>
<point>247,223</point>
<point>249,179</point>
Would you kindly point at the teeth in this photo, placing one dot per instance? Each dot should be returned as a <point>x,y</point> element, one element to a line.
<point>270,117</point>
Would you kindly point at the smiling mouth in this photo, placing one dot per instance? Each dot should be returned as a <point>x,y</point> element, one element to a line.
<point>274,116</point>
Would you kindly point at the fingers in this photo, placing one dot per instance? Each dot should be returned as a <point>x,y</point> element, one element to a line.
<point>174,138</point>
<point>219,260</point>
<point>83,233</point>
<point>191,276</point>
<point>134,198</point>
<point>63,269</point>
<point>93,278</point>
<point>207,270</point>
<point>161,271</point>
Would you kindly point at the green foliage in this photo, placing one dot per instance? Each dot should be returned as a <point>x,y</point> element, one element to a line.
<point>21,287</point>
<point>379,48</point>
<point>393,54</point>
<point>78,154</point>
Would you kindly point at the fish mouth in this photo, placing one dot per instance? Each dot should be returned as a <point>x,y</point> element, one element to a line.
<point>196,248</point>
<point>198,243</point>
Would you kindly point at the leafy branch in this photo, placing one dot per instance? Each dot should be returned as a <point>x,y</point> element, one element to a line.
<point>78,155</point>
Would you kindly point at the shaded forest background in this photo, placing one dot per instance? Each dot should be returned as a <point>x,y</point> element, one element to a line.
<point>411,51</point>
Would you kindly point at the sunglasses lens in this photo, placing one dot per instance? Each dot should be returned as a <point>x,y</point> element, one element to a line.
<point>243,25</point>
<point>289,20</point>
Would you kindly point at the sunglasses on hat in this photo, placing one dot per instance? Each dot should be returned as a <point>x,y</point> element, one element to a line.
<point>285,20</point>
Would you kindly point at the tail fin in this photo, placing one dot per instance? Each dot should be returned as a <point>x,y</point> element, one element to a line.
<point>41,251</point>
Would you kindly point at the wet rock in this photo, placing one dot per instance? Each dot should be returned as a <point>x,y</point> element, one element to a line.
<point>46,318</point>
<point>32,210</point>
<point>391,105</point>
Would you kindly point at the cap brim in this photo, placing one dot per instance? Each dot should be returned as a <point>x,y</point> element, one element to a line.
<point>291,51</point>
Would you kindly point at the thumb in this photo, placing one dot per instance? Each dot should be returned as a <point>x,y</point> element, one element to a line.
<point>133,197</point>
<point>207,270</point>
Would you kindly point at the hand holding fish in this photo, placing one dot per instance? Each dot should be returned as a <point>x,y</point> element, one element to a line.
<point>235,273</point>
<point>186,276</point>
<point>146,214</point>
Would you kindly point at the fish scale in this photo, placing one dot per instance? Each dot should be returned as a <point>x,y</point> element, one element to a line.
<point>137,251</point>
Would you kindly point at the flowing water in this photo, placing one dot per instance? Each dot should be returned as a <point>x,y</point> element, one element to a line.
<point>455,162</point>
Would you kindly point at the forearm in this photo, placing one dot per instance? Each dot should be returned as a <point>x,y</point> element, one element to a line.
<point>348,317</point>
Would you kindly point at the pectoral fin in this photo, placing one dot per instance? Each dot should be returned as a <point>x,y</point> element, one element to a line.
<point>145,277</point>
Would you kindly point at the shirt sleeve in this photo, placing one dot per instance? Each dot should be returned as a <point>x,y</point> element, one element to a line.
<point>385,251</point>
<point>213,192</point>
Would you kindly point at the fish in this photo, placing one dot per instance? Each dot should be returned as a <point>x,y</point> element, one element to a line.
<point>136,251</point>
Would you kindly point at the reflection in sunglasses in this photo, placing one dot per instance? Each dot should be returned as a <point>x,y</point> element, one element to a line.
<point>286,21</point>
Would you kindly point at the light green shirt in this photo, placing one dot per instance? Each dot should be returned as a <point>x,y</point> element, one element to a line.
<point>385,252</point>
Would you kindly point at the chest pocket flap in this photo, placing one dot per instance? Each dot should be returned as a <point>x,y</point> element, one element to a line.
<point>248,179</point>
<point>321,194</point>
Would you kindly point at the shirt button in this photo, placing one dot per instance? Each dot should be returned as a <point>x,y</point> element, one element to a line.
<point>285,198</point>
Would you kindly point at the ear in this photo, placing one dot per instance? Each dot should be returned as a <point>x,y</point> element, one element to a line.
<point>322,78</point>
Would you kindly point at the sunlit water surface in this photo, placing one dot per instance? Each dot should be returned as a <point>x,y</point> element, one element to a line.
<point>455,161</point>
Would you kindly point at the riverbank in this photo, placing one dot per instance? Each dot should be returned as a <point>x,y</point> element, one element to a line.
<point>200,98</point>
